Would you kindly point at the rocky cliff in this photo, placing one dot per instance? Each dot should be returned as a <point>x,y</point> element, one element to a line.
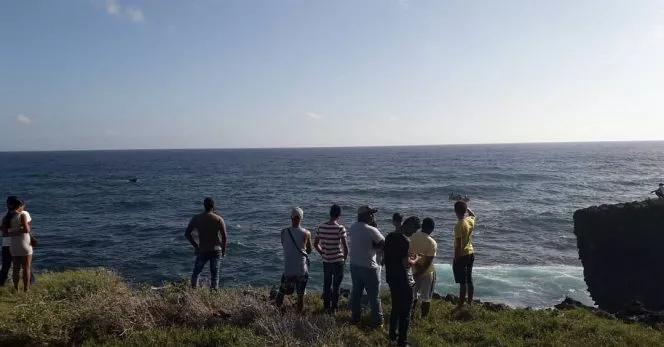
<point>622,251</point>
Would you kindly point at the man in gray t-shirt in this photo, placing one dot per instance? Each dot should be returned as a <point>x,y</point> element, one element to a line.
<point>296,242</point>
<point>212,241</point>
<point>364,270</point>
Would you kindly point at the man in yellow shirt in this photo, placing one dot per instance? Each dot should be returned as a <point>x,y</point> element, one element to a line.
<point>464,254</point>
<point>424,246</point>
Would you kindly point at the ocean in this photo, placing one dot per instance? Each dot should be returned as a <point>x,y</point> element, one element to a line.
<point>87,214</point>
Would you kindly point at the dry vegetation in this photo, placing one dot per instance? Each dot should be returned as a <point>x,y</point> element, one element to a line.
<point>94,307</point>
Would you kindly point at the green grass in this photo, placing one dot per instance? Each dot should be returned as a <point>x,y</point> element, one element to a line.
<point>94,307</point>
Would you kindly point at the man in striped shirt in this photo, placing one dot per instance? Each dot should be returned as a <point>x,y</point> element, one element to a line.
<point>332,245</point>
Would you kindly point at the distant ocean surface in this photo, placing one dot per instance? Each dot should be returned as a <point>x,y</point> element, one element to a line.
<point>87,214</point>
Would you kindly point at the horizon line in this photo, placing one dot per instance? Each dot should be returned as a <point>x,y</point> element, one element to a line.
<point>325,147</point>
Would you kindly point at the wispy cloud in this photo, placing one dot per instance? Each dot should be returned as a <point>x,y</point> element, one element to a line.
<point>314,115</point>
<point>131,13</point>
<point>23,119</point>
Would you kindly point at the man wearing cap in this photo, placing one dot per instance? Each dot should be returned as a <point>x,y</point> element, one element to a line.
<point>212,241</point>
<point>364,270</point>
<point>296,242</point>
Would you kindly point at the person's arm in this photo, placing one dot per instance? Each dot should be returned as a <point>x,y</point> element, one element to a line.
<point>224,237</point>
<point>458,247</point>
<point>411,261</point>
<point>26,225</point>
<point>378,239</point>
<point>317,246</point>
<point>471,213</point>
<point>190,238</point>
<point>344,244</point>
<point>307,243</point>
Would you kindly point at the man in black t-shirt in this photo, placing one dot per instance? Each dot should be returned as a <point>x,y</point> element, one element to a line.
<point>400,278</point>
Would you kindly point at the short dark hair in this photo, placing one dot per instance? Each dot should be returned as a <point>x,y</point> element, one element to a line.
<point>428,225</point>
<point>397,217</point>
<point>208,203</point>
<point>335,211</point>
<point>413,222</point>
<point>460,208</point>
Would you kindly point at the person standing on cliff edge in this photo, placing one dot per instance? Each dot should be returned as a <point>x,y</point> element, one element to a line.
<point>296,242</point>
<point>364,270</point>
<point>464,253</point>
<point>332,245</point>
<point>212,241</point>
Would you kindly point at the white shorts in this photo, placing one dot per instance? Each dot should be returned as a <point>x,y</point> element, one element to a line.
<point>424,287</point>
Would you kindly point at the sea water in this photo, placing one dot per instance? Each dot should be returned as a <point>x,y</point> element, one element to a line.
<point>87,213</point>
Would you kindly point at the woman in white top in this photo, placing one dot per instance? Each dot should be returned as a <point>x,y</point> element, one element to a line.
<point>15,224</point>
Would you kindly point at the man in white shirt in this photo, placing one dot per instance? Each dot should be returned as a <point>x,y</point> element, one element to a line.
<point>364,270</point>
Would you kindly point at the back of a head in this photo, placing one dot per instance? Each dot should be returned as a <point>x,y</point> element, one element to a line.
<point>411,225</point>
<point>208,203</point>
<point>397,219</point>
<point>13,203</point>
<point>460,208</point>
<point>335,211</point>
<point>428,225</point>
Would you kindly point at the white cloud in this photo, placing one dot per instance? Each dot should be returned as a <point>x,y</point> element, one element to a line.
<point>314,115</point>
<point>23,119</point>
<point>134,14</point>
<point>110,133</point>
<point>404,3</point>
<point>112,7</point>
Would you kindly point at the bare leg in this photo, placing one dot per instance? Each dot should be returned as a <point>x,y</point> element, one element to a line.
<point>426,306</point>
<point>16,270</point>
<point>471,292</point>
<point>27,263</point>
<point>300,303</point>
<point>412,310</point>
<point>462,294</point>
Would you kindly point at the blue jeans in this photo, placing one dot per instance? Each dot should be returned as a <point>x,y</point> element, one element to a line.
<point>333,274</point>
<point>214,257</point>
<point>369,279</point>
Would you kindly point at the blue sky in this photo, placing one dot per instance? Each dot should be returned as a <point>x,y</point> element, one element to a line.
<point>97,74</point>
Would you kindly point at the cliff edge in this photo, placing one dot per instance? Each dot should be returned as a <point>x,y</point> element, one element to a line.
<point>622,250</point>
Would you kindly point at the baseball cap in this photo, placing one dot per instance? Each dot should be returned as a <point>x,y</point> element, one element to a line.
<point>366,209</point>
<point>297,212</point>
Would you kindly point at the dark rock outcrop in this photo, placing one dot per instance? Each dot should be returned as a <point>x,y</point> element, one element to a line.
<point>622,251</point>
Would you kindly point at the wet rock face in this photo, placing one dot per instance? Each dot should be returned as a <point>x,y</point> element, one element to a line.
<point>622,251</point>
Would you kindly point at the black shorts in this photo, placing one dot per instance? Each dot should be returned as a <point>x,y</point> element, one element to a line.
<point>463,269</point>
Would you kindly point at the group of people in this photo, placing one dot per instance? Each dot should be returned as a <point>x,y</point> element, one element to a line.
<point>407,253</point>
<point>17,244</point>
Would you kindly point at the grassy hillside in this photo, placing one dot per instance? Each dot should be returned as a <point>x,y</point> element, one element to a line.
<point>94,307</point>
